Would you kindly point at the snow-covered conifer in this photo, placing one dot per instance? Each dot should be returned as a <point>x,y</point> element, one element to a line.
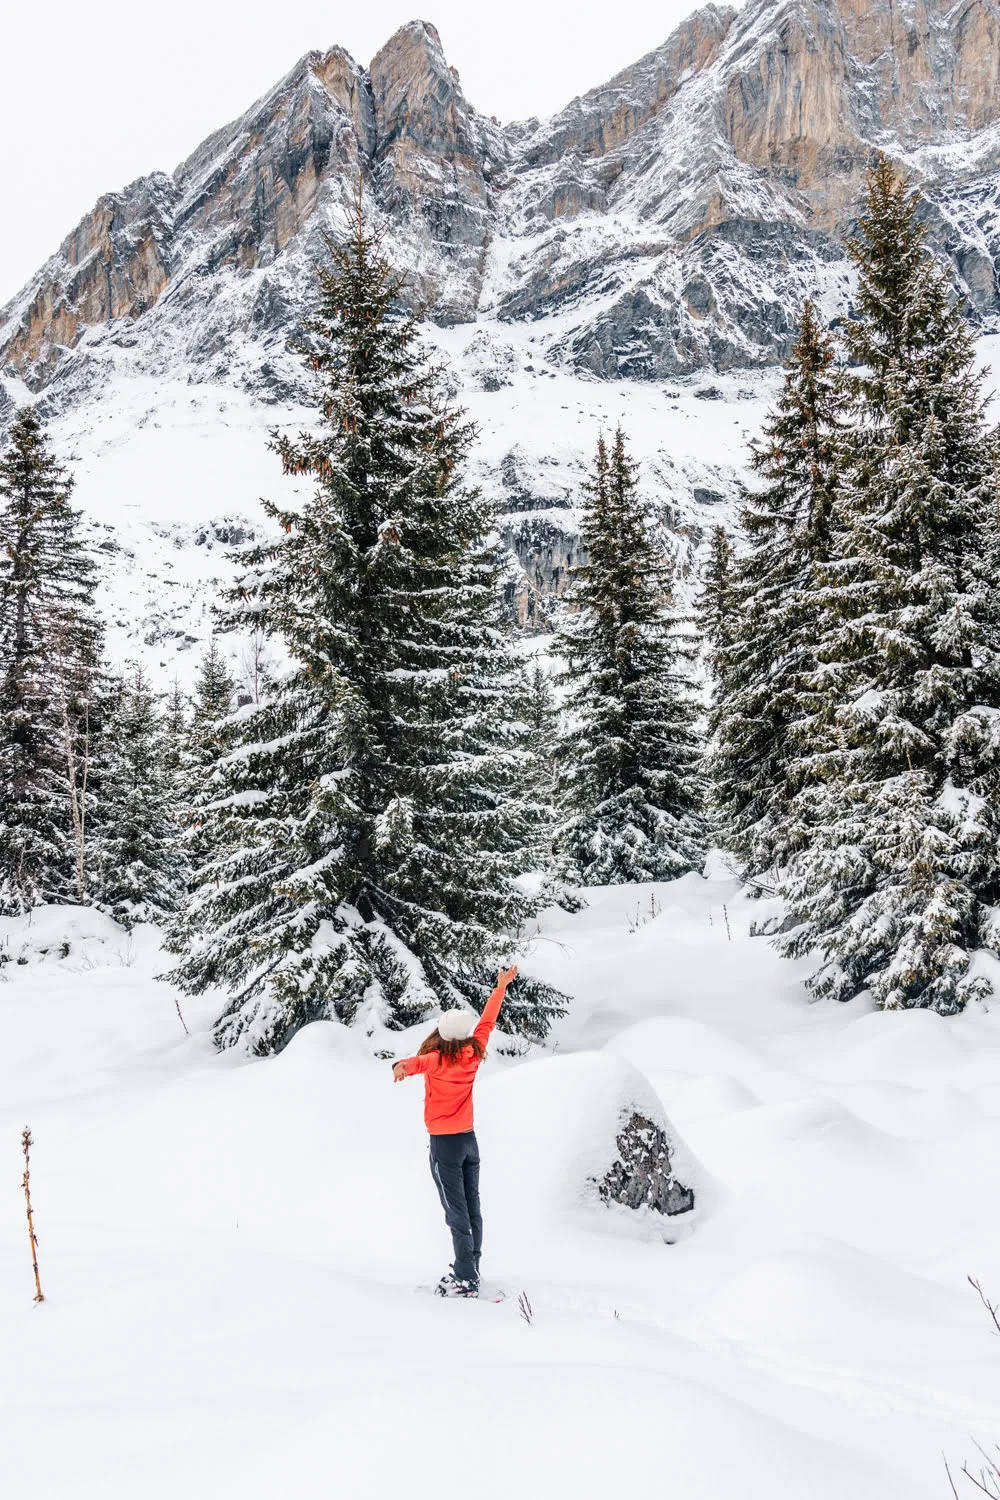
<point>537,708</point>
<point>366,818</point>
<point>628,788</point>
<point>175,728</point>
<point>211,703</point>
<point>204,742</point>
<point>715,605</point>
<point>898,878</point>
<point>764,653</point>
<point>50,649</point>
<point>139,868</point>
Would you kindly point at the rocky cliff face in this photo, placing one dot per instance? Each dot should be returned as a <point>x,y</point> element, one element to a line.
<point>676,217</point>
<point>670,220</point>
<point>663,226</point>
<point>240,219</point>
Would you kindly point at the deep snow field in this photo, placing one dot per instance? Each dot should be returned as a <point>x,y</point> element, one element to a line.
<point>233,1251</point>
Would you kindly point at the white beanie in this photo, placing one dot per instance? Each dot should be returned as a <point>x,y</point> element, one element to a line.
<point>455,1025</point>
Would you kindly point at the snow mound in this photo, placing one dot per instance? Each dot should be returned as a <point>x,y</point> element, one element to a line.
<point>74,935</point>
<point>563,1119</point>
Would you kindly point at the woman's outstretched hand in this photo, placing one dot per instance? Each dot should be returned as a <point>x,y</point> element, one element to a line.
<point>506,977</point>
<point>398,1072</point>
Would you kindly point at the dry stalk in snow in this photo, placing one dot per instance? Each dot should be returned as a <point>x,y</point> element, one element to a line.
<point>987,1480</point>
<point>26,1144</point>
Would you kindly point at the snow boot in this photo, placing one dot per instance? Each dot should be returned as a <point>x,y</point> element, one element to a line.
<point>451,1286</point>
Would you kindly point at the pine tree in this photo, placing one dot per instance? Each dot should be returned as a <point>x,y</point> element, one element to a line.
<point>212,703</point>
<point>897,880</point>
<point>139,869</point>
<point>50,648</point>
<point>365,817</point>
<point>537,708</point>
<point>205,741</point>
<point>628,787</point>
<point>715,605</point>
<point>175,728</point>
<point>765,650</point>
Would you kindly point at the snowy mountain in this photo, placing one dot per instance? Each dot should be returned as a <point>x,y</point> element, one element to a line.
<point>669,220</point>
<point>665,226</point>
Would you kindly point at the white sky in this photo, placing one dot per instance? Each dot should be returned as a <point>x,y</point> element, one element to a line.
<point>95,95</point>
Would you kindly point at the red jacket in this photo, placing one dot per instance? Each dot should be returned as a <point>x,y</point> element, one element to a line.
<point>448,1085</point>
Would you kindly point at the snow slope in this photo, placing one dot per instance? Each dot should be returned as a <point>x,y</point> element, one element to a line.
<point>169,475</point>
<point>231,1249</point>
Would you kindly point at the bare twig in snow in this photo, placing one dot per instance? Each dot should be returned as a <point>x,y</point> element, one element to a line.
<point>26,1144</point>
<point>990,1307</point>
<point>987,1481</point>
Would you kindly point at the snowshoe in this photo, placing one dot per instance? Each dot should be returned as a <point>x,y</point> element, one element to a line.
<point>451,1286</point>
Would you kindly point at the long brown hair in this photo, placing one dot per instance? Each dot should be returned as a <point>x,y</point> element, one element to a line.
<point>450,1048</point>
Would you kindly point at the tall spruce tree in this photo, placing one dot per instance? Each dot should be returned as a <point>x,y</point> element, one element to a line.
<point>175,727</point>
<point>628,787</point>
<point>715,604</point>
<point>366,818</point>
<point>50,649</point>
<point>897,882</point>
<point>211,704</point>
<point>765,650</point>
<point>537,708</point>
<point>139,867</point>
<point>205,741</point>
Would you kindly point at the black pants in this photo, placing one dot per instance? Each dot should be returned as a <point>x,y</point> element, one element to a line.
<point>455,1169</point>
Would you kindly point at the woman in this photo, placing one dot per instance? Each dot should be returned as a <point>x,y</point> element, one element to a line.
<point>448,1059</point>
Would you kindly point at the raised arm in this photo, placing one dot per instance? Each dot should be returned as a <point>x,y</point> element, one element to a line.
<point>407,1066</point>
<point>488,1019</point>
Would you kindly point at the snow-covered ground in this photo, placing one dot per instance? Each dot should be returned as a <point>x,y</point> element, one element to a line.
<point>232,1250</point>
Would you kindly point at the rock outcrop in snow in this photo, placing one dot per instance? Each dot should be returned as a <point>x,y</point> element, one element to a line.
<point>642,1176</point>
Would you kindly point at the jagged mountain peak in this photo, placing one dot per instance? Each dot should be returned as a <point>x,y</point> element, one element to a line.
<point>411,40</point>
<point>669,219</point>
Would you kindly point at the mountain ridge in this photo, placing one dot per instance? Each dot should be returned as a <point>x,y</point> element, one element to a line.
<point>665,222</point>
<point>629,260</point>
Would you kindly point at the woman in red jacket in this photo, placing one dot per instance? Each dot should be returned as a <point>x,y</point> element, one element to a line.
<point>448,1059</point>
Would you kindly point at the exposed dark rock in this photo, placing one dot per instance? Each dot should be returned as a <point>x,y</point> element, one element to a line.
<point>548,554</point>
<point>643,1176</point>
<point>228,533</point>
